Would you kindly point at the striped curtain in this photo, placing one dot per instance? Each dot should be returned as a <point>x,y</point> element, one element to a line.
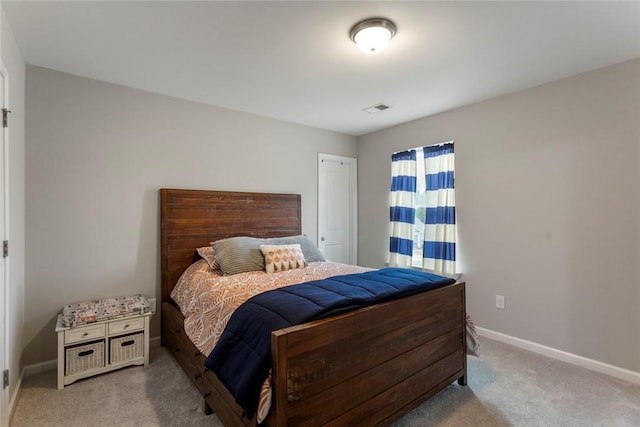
<point>440,233</point>
<point>402,211</point>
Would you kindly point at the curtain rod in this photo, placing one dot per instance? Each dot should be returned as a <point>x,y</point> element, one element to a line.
<point>441,144</point>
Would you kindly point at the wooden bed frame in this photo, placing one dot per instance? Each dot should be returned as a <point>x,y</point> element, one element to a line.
<point>366,367</point>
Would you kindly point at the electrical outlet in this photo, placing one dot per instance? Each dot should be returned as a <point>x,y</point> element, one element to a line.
<point>500,302</point>
<point>152,303</point>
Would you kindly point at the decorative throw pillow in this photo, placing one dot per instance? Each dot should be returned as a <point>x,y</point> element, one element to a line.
<point>208,254</point>
<point>282,257</point>
<point>238,255</point>
<point>309,249</point>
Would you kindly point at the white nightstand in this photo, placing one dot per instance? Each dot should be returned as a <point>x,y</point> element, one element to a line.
<point>95,348</point>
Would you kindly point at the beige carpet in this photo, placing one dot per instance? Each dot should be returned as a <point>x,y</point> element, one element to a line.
<point>507,387</point>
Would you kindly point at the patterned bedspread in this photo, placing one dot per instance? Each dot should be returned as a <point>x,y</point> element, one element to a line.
<point>207,299</point>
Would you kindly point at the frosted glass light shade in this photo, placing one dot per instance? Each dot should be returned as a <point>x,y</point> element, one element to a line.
<point>372,35</point>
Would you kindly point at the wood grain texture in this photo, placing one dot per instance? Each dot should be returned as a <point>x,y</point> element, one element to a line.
<point>368,353</point>
<point>366,367</point>
<point>190,219</point>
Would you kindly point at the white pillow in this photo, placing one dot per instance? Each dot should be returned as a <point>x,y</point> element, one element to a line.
<point>282,257</point>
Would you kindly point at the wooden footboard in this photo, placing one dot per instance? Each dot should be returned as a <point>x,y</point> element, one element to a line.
<point>366,367</point>
<point>371,366</point>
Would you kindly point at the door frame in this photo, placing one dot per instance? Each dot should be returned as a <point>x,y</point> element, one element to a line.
<point>353,200</point>
<point>4,268</point>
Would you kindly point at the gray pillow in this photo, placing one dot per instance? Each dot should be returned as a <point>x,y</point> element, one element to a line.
<point>241,254</point>
<point>238,255</point>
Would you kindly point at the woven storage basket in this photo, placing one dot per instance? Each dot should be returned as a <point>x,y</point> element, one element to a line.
<point>127,347</point>
<point>84,357</point>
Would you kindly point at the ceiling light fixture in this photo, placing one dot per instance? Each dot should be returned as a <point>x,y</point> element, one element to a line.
<point>372,35</point>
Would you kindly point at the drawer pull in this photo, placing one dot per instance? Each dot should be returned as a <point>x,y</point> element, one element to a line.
<point>126,326</point>
<point>85,353</point>
<point>127,343</point>
<point>85,334</point>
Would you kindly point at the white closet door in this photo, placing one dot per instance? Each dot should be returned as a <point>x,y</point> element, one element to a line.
<point>337,208</point>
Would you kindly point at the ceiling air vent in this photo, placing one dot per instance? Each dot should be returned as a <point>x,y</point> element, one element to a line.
<point>376,108</point>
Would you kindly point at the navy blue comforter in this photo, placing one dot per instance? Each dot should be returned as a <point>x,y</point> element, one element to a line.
<point>242,357</point>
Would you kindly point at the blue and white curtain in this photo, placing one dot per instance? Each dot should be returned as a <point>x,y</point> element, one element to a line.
<point>430,171</point>
<point>440,230</point>
<point>402,212</point>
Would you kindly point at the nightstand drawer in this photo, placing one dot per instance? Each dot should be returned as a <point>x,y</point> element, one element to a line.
<point>126,347</point>
<point>84,357</point>
<point>126,325</point>
<point>84,333</point>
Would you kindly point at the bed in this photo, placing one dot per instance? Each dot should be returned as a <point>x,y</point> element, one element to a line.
<point>409,348</point>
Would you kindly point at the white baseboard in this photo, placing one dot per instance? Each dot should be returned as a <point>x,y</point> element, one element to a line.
<point>154,342</point>
<point>38,368</point>
<point>593,365</point>
<point>14,397</point>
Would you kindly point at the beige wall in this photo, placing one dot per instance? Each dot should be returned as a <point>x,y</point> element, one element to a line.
<point>548,194</point>
<point>15,66</point>
<point>97,153</point>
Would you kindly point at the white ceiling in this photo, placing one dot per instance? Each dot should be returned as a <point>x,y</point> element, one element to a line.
<point>294,60</point>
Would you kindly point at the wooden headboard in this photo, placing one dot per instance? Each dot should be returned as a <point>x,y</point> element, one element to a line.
<point>190,219</point>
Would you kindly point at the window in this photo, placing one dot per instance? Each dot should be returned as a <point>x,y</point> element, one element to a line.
<point>418,226</point>
<point>422,209</point>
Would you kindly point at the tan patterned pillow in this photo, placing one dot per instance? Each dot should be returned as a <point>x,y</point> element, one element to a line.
<point>282,257</point>
<point>209,254</point>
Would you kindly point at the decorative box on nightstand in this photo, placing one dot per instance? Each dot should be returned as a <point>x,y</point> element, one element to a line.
<point>94,348</point>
